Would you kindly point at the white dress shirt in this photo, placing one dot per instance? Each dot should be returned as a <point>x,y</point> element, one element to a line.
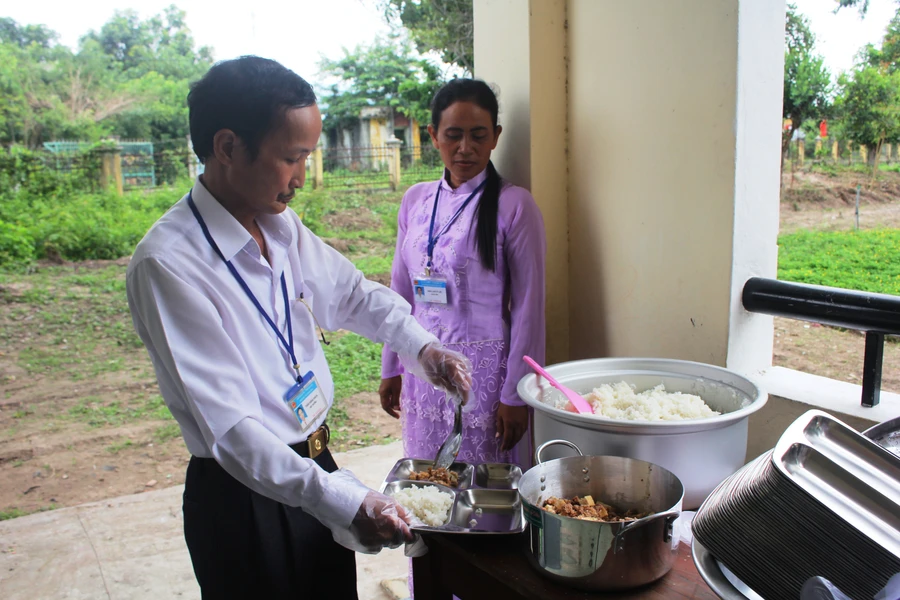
<point>221,369</point>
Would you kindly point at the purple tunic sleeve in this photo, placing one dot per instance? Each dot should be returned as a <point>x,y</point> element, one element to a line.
<point>400,283</point>
<point>525,248</point>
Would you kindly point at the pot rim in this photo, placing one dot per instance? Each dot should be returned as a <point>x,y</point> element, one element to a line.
<point>668,512</point>
<point>646,366</point>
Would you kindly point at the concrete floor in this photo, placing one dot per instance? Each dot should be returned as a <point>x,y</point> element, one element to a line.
<point>133,547</point>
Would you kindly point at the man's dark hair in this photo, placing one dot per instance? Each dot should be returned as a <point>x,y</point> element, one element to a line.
<point>247,95</point>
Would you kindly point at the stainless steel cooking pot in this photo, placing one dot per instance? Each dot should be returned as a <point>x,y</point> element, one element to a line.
<point>592,555</point>
<point>701,452</point>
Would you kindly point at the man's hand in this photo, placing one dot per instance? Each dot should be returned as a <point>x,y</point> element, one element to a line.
<point>512,423</point>
<point>389,392</point>
<point>447,369</point>
<point>381,523</point>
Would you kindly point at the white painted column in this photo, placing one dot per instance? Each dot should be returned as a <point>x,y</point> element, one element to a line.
<point>520,48</point>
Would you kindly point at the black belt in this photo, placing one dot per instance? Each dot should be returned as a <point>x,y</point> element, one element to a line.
<point>315,444</point>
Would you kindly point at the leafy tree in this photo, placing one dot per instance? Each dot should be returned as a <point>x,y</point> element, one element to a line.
<point>444,26</point>
<point>387,73</point>
<point>869,103</point>
<point>806,80</point>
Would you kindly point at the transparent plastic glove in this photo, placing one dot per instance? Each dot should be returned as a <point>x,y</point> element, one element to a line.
<point>416,548</point>
<point>819,588</point>
<point>379,522</point>
<point>445,369</point>
<point>891,591</point>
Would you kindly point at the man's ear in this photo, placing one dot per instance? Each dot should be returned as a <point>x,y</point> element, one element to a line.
<point>224,143</point>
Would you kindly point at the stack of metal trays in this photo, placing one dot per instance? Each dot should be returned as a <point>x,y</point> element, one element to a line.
<point>886,434</point>
<point>485,500</point>
<point>825,502</point>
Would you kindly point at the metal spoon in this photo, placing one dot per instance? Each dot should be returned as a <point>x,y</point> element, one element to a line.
<point>446,454</point>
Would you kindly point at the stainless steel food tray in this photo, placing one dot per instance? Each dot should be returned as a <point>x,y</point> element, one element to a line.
<point>485,502</point>
<point>851,475</point>
<point>720,580</point>
<point>886,434</point>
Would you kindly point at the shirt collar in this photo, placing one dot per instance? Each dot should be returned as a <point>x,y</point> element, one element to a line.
<point>228,233</point>
<point>466,188</point>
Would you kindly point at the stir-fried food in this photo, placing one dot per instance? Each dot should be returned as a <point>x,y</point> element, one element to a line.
<point>439,475</point>
<point>586,508</point>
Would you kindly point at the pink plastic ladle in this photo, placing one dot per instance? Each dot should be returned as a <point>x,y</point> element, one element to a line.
<point>581,405</point>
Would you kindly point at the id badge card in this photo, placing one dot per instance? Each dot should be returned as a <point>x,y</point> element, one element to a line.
<point>306,400</point>
<point>430,289</point>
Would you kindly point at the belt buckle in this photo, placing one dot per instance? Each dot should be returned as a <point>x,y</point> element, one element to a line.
<point>317,442</point>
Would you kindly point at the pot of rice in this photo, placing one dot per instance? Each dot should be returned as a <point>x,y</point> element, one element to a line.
<point>690,418</point>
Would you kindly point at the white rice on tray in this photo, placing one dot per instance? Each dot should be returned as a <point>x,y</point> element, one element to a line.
<point>429,504</point>
<point>619,401</point>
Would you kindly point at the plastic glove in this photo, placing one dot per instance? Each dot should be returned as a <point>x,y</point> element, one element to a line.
<point>891,591</point>
<point>445,369</point>
<point>416,548</point>
<point>379,523</point>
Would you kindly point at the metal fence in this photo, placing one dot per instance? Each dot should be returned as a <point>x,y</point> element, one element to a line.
<point>390,166</point>
<point>835,151</point>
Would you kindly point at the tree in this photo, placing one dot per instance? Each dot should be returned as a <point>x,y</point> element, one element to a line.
<point>869,103</point>
<point>444,26</point>
<point>807,82</point>
<point>387,73</point>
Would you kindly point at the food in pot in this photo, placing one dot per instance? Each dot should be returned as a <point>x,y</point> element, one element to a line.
<point>587,509</point>
<point>428,504</point>
<point>619,401</point>
<point>440,475</point>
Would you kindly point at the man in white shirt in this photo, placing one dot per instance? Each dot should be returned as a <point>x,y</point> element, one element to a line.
<point>226,290</point>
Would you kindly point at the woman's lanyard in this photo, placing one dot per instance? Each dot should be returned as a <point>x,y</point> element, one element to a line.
<point>432,238</point>
<point>287,343</point>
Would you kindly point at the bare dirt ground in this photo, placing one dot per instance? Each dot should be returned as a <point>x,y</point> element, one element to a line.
<point>80,414</point>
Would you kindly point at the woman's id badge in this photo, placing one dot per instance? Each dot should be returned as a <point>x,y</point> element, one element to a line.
<point>430,289</point>
<point>306,400</point>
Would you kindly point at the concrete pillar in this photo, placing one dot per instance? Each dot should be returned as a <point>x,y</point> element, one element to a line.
<point>888,152</point>
<point>111,169</point>
<point>863,154</point>
<point>801,152</point>
<point>318,168</point>
<point>393,160</point>
<point>520,47</point>
<point>657,254</point>
<point>835,151</point>
<point>415,137</point>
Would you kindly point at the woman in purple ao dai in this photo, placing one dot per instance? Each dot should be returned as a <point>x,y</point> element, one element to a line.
<point>470,260</point>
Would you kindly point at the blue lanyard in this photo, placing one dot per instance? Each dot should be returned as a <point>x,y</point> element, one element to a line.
<point>287,343</point>
<point>432,238</point>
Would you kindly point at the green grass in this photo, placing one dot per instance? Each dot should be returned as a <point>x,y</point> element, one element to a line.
<point>865,260</point>
<point>93,412</point>
<point>373,265</point>
<point>15,513</point>
<point>355,364</point>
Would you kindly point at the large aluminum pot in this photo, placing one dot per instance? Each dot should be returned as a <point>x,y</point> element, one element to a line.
<point>591,555</point>
<point>701,452</point>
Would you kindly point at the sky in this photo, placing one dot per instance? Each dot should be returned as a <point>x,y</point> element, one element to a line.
<point>295,33</point>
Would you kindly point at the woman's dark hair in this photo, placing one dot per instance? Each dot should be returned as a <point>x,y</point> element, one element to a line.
<point>479,93</point>
<point>247,95</point>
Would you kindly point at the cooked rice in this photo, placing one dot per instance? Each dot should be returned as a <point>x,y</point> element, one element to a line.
<point>619,401</point>
<point>429,504</point>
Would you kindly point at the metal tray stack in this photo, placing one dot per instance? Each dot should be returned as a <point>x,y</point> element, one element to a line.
<point>825,502</point>
<point>486,501</point>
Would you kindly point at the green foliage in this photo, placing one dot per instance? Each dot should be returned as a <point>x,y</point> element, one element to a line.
<point>16,245</point>
<point>870,106</point>
<point>860,260</point>
<point>355,362</point>
<point>445,26</point>
<point>129,79</point>
<point>806,80</point>
<point>388,73</point>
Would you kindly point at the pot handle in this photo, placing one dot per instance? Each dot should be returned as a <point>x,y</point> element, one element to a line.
<point>670,516</point>
<point>540,449</point>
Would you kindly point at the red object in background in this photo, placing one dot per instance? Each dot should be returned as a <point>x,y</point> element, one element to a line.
<point>823,128</point>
